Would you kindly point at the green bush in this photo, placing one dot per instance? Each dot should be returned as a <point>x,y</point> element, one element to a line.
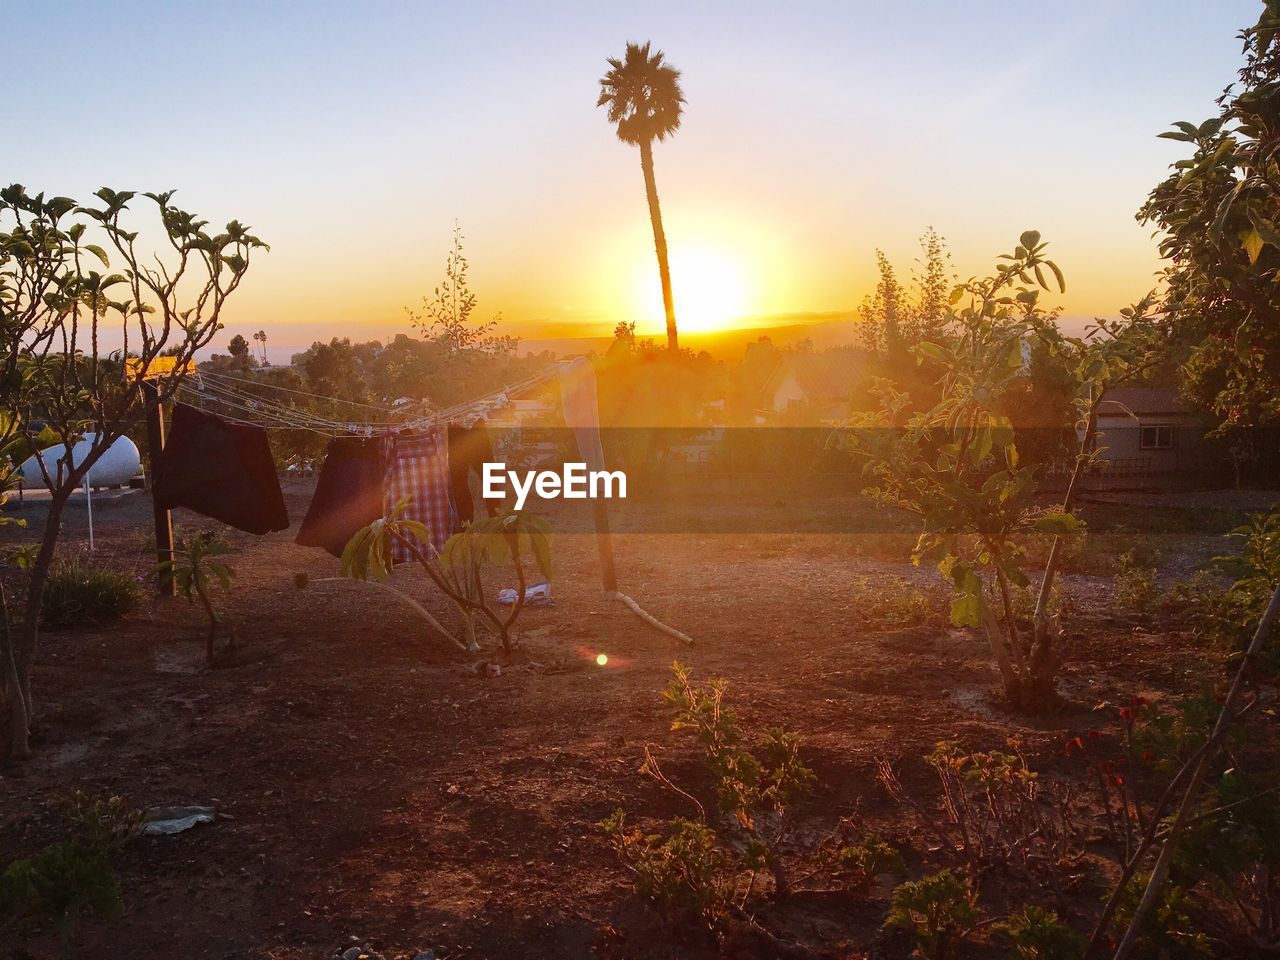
<point>682,871</point>
<point>73,875</point>
<point>1135,583</point>
<point>84,596</point>
<point>937,912</point>
<point>1038,934</point>
<point>872,856</point>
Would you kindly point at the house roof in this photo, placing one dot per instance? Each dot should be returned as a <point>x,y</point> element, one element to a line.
<point>1143,401</point>
<point>822,376</point>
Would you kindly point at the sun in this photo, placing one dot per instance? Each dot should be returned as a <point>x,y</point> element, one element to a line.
<point>711,287</point>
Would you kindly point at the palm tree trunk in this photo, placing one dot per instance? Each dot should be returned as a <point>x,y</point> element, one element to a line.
<point>659,241</point>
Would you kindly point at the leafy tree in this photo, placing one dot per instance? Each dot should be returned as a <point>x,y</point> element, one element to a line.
<point>334,370</point>
<point>61,319</point>
<point>624,338</point>
<point>446,315</point>
<point>196,570</point>
<point>1220,212</point>
<point>956,464</point>
<point>239,350</point>
<point>643,99</point>
<point>894,318</point>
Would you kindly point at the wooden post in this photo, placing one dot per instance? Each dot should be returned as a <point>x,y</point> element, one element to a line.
<point>604,541</point>
<point>163,518</point>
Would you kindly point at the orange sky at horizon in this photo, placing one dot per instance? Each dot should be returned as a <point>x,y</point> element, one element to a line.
<point>813,135</point>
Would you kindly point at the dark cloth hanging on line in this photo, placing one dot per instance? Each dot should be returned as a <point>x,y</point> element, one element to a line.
<point>348,494</point>
<point>582,410</point>
<point>469,451</point>
<point>417,468</point>
<point>221,470</point>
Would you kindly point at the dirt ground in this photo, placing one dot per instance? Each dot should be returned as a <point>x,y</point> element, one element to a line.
<point>374,787</point>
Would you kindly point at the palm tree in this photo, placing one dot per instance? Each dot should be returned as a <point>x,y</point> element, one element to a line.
<point>644,99</point>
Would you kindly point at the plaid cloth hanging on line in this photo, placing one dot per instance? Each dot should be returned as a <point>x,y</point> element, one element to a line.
<point>418,468</point>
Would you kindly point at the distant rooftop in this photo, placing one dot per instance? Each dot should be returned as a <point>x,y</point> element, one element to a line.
<point>1143,401</point>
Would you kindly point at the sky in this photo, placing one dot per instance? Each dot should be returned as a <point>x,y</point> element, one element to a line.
<point>352,137</point>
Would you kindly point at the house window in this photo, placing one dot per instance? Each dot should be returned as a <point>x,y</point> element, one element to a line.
<point>1157,436</point>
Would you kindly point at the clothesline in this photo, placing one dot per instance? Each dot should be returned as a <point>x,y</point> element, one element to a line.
<point>215,383</point>
<point>223,390</point>
<point>416,469</point>
<point>282,414</point>
<point>301,393</point>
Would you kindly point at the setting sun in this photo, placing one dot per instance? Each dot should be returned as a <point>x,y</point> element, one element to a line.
<point>713,288</point>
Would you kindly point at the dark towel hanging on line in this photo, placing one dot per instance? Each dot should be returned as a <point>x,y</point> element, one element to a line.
<point>221,470</point>
<point>348,494</point>
<point>469,449</point>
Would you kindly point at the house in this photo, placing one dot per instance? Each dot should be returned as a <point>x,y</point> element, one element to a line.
<point>814,386</point>
<point>1152,430</point>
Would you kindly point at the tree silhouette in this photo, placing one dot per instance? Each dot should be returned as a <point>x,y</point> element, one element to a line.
<point>239,350</point>
<point>644,102</point>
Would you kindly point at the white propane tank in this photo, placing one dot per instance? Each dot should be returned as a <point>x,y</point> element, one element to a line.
<point>118,464</point>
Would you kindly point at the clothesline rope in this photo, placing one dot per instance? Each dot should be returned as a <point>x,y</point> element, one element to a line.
<point>302,393</point>
<point>223,390</point>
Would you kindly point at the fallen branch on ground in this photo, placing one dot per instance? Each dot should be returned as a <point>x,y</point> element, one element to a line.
<point>418,608</point>
<point>653,621</point>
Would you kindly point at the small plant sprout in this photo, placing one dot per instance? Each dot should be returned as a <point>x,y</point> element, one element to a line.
<point>196,570</point>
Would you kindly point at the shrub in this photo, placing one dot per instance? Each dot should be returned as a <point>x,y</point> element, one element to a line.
<point>995,809</point>
<point>756,789</point>
<point>68,877</point>
<point>896,603</point>
<point>1194,601</point>
<point>1135,584</point>
<point>1172,932</point>
<point>84,596</point>
<point>1229,623</point>
<point>682,872</point>
<point>870,857</point>
<point>936,911</point>
<point>709,867</point>
<point>1038,934</point>
<point>511,538</point>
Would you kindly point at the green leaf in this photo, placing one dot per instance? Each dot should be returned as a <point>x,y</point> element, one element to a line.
<point>542,552</point>
<point>934,351</point>
<point>1058,523</point>
<point>1251,240</point>
<point>1057,274</point>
